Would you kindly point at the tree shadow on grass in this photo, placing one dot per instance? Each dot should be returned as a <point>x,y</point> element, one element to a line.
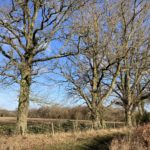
<point>99,142</point>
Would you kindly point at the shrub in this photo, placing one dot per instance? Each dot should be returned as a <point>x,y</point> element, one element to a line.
<point>67,126</point>
<point>142,119</point>
<point>7,129</point>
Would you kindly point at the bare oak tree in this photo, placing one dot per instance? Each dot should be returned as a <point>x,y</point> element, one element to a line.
<point>133,81</point>
<point>88,73</point>
<point>27,28</point>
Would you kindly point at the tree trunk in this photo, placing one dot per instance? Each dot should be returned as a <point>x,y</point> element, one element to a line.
<point>128,118</point>
<point>97,119</point>
<point>23,101</point>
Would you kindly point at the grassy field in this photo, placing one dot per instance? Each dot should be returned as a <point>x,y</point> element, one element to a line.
<point>87,140</point>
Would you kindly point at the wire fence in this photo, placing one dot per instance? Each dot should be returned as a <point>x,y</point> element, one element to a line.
<point>52,126</point>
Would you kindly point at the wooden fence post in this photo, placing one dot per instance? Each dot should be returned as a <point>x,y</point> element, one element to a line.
<point>73,123</point>
<point>114,124</point>
<point>59,126</point>
<point>92,126</point>
<point>52,125</point>
<point>77,125</point>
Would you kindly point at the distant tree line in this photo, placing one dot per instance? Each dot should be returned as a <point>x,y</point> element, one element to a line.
<point>62,112</point>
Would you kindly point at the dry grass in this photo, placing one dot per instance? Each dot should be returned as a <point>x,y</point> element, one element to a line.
<point>104,139</point>
<point>59,141</point>
<point>139,139</point>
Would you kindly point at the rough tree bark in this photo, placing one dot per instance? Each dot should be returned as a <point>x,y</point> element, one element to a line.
<point>23,104</point>
<point>128,118</point>
<point>97,118</point>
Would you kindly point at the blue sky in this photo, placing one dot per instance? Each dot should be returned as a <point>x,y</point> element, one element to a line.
<point>7,100</point>
<point>51,94</point>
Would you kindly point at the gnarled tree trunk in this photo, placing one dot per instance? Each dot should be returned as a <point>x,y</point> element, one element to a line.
<point>97,119</point>
<point>23,100</point>
<point>128,118</point>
